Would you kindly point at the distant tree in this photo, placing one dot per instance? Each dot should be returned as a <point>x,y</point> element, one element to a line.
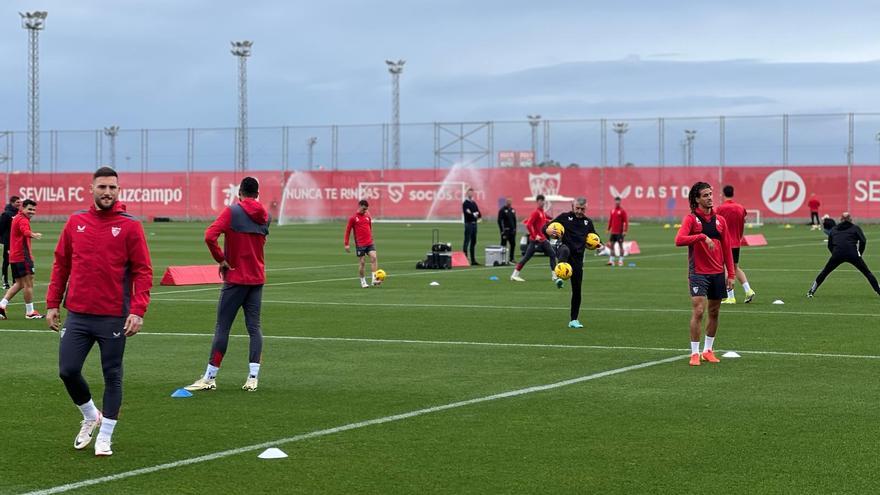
<point>573,165</point>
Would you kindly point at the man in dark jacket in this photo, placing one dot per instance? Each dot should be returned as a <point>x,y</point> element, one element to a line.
<point>471,213</point>
<point>5,225</point>
<point>507,226</point>
<point>847,244</point>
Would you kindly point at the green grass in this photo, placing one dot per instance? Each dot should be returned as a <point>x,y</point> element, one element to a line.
<point>799,420</point>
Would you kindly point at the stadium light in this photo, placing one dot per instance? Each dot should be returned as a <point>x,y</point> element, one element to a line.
<point>395,69</point>
<point>534,121</point>
<point>689,136</point>
<point>33,22</point>
<point>620,128</point>
<point>310,142</point>
<point>242,50</point>
<point>111,133</point>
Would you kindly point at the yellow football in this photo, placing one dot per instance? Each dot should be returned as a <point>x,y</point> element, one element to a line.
<point>593,241</point>
<point>563,271</point>
<point>560,230</point>
<point>380,275</point>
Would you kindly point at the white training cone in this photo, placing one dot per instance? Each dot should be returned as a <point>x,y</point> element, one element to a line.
<point>778,301</point>
<point>730,354</point>
<point>272,453</point>
<point>434,283</point>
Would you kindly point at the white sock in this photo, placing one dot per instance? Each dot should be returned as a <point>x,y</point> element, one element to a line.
<point>211,372</point>
<point>730,294</point>
<point>29,307</point>
<point>746,287</point>
<point>515,273</point>
<point>707,346</point>
<point>363,280</point>
<point>89,411</point>
<point>107,426</point>
<point>4,302</point>
<point>255,369</point>
<point>695,347</point>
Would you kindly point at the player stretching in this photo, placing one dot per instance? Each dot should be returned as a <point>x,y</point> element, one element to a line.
<point>618,224</point>
<point>21,261</point>
<point>362,225</point>
<point>847,244</point>
<point>705,235</point>
<point>571,250</point>
<point>535,225</point>
<point>103,274</point>
<point>244,227</point>
<point>735,216</point>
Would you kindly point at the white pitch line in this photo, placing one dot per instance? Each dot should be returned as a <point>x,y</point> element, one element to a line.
<point>350,426</point>
<point>480,344</point>
<point>532,308</point>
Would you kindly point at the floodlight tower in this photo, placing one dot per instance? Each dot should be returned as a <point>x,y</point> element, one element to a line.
<point>34,22</point>
<point>310,142</point>
<point>242,50</point>
<point>111,133</point>
<point>689,136</point>
<point>395,68</point>
<point>620,128</point>
<point>534,121</point>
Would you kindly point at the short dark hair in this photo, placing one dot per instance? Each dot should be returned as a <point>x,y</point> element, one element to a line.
<point>28,202</point>
<point>616,198</point>
<point>104,172</point>
<point>539,197</point>
<point>728,191</point>
<point>13,199</point>
<point>364,202</point>
<point>249,187</point>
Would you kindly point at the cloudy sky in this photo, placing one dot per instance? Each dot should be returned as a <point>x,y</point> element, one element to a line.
<point>166,63</point>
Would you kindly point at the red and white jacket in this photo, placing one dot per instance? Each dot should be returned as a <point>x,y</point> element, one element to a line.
<point>102,263</point>
<point>244,227</point>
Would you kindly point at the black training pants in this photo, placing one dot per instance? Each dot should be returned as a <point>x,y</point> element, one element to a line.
<point>533,246</point>
<point>853,259</point>
<point>78,334</point>
<point>508,238</point>
<point>232,298</point>
<point>470,239</point>
<point>6,263</point>
<point>576,260</point>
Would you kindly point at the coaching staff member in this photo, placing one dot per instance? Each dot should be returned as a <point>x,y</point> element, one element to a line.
<point>507,226</point>
<point>847,245</point>
<point>571,250</point>
<point>5,228</point>
<point>471,213</point>
<point>103,273</point>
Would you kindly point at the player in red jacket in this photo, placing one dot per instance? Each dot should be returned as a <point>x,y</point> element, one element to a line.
<point>814,205</point>
<point>705,235</point>
<point>21,260</point>
<point>535,224</point>
<point>735,216</point>
<point>362,225</point>
<point>618,225</point>
<point>103,274</point>
<point>244,227</point>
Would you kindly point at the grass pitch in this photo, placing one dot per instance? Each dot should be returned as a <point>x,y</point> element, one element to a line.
<point>796,414</point>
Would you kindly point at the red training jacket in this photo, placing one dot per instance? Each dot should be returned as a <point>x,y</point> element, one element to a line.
<point>618,221</point>
<point>735,217</point>
<point>363,229</point>
<point>103,262</point>
<point>814,204</point>
<point>244,227</point>
<point>535,224</point>
<point>20,239</point>
<point>700,259</point>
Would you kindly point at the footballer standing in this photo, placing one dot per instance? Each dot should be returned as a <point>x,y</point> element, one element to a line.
<point>103,273</point>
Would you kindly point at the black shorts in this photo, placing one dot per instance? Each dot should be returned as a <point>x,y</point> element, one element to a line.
<point>708,286</point>
<point>22,269</point>
<point>617,238</point>
<point>735,252</point>
<point>363,251</point>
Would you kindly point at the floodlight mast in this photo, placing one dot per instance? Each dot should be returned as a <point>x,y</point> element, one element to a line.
<point>242,50</point>
<point>34,22</point>
<point>310,142</point>
<point>620,128</point>
<point>689,136</point>
<point>111,133</point>
<point>534,121</point>
<point>395,69</point>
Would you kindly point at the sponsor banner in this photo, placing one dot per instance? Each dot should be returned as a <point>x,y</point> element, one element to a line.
<point>648,192</point>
